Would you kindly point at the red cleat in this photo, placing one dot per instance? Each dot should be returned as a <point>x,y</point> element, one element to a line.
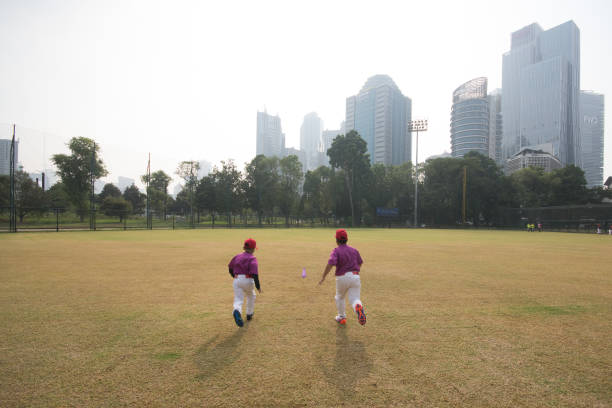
<point>360,314</point>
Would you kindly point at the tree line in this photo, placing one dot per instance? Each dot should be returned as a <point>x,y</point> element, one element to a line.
<point>349,191</point>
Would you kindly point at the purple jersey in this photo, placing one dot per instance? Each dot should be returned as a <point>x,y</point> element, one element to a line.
<point>346,259</point>
<point>244,264</point>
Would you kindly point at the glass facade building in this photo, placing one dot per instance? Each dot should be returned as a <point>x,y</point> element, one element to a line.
<point>310,139</point>
<point>592,138</point>
<point>5,156</point>
<point>270,137</point>
<point>380,114</point>
<point>541,83</point>
<point>469,127</point>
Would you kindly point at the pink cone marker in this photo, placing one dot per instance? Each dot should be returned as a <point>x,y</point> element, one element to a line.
<point>303,272</point>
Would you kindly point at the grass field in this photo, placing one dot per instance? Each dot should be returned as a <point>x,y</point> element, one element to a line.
<point>455,318</point>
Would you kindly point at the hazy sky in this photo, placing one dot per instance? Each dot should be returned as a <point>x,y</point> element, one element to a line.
<point>184,79</point>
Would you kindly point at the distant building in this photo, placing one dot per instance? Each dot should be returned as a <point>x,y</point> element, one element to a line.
<point>205,168</point>
<point>532,158</point>
<point>380,114</point>
<point>290,151</point>
<point>270,137</point>
<point>310,139</point>
<point>5,156</point>
<point>124,182</point>
<point>495,125</point>
<point>328,138</point>
<point>541,88</point>
<point>444,155</point>
<point>98,186</point>
<point>592,137</point>
<point>469,126</point>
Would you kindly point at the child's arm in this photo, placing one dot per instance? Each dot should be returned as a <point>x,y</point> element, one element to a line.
<point>328,268</point>
<point>256,279</point>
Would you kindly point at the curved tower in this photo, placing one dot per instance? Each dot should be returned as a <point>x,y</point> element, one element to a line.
<point>469,125</point>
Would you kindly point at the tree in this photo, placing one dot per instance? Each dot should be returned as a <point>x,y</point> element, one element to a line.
<point>158,191</point>
<point>441,192</point>
<point>349,153</point>
<point>318,197</point>
<point>29,197</point>
<point>136,198</point>
<point>261,184</point>
<point>116,207</point>
<point>228,188</point>
<point>56,196</point>
<point>5,191</point>
<point>188,171</point>
<point>76,170</point>
<point>483,185</point>
<point>290,178</point>
<point>567,186</point>
<point>531,186</point>
<point>206,195</point>
<point>109,190</point>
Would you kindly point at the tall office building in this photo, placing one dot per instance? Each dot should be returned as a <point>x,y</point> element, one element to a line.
<point>592,137</point>
<point>5,156</point>
<point>270,137</point>
<point>469,126</point>
<point>495,125</point>
<point>310,139</point>
<point>380,113</point>
<point>328,138</point>
<point>124,182</point>
<point>541,86</point>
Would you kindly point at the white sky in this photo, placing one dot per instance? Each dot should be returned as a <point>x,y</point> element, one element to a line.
<point>184,79</point>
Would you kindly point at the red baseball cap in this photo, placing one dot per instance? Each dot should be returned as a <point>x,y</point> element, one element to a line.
<point>341,234</point>
<point>250,244</point>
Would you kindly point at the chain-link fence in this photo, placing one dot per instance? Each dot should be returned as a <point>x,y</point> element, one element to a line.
<point>576,218</point>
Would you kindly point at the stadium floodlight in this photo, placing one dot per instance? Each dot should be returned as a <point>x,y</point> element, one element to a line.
<point>416,126</point>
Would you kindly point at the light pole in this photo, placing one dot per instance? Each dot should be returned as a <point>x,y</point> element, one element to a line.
<point>416,126</point>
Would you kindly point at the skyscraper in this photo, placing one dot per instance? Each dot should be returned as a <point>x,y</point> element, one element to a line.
<point>469,126</point>
<point>5,156</point>
<point>270,137</point>
<point>310,139</point>
<point>380,113</point>
<point>592,138</point>
<point>541,83</point>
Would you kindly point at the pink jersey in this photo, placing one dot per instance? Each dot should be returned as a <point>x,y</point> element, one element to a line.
<point>244,264</point>
<point>346,259</point>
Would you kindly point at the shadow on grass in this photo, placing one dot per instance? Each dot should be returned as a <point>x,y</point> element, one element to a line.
<point>213,356</point>
<point>351,364</point>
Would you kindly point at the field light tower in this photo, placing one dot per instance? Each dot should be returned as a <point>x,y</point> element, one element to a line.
<point>416,126</point>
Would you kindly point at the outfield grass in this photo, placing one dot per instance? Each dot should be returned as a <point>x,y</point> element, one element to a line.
<point>455,318</point>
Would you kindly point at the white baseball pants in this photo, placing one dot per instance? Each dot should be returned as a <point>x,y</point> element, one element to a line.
<point>244,286</point>
<point>347,285</point>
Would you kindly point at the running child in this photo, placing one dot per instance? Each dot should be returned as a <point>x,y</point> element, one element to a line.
<point>243,268</point>
<point>348,263</point>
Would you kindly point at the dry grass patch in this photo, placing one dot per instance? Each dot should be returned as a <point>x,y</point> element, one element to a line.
<point>455,318</point>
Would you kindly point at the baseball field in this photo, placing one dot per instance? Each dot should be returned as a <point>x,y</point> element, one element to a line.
<point>455,318</point>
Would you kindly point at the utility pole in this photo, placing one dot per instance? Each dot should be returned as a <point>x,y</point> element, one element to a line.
<point>416,126</point>
<point>13,210</point>
<point>92,198</point>
<point>464,201</point>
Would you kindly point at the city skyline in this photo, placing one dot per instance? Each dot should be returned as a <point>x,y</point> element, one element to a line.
<point>173,79</point>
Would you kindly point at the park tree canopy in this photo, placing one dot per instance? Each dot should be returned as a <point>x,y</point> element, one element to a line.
<point>76,170</point>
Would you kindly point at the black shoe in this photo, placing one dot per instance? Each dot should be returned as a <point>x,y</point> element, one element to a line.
<point>238,318</point>
<point>249,317</point>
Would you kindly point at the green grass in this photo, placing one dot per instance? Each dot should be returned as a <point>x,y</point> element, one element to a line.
<point>455,318</point>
